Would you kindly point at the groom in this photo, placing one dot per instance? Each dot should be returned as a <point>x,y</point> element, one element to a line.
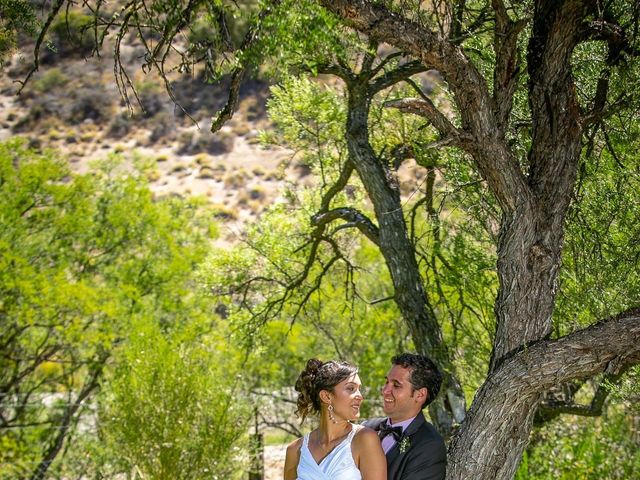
<point>414,449</point>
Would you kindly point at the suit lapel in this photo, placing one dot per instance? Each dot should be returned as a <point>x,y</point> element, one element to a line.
<point>393,455</point>
<point>415,425</point>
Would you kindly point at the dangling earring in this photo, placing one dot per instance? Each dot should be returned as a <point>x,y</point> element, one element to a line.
<point>331,415</point>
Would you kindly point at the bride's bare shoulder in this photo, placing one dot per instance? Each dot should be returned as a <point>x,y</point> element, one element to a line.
<point>294,446</point>
<point>366,436</point>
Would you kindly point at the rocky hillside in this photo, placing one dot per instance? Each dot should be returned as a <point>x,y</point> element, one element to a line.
<point>73,104</point>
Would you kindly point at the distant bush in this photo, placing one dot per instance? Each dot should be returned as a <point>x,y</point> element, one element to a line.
<point>119,125</point>
<point>163,127</point>
<point>206,142</point>
<point>72,34</point>
<point>37,112</point>
<point>86,104</point>
<point>52,78</point>
<point>223,212</point>
<point>152,98</point>
<point>236,179</point>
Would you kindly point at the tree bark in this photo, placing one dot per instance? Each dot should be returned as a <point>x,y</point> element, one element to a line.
<point>396,247</point>
<point>534,195</point>
<point>531,238</point>
<point>490,442</point>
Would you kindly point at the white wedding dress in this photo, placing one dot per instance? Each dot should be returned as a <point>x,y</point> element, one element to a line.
<point>338,465</point>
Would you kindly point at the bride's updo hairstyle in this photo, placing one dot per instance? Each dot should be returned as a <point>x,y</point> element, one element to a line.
<point>319,376</point>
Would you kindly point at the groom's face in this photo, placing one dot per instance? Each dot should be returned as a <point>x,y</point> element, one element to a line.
<point>400,401</point>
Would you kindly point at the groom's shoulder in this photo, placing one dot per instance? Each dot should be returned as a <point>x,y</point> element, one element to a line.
<point>428,435</point>
<point>373,423</point>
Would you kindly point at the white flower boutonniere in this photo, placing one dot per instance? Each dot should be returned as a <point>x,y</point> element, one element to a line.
<point>405,444</point>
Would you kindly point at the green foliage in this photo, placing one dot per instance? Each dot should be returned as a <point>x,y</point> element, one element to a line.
<point>303,34</point>
<point>175,408</point>
<point>602,256</point>
<point>628,390</point>
<point>585,449</point>
<point>81,257</point>
<point>73,33</point>
<point>50,79</point>
<point>16,17</point>
<point>310,117</point>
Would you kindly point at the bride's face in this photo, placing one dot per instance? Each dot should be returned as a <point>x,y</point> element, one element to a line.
<point>347,398</point>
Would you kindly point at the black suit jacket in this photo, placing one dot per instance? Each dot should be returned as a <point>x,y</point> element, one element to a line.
<point>425,457</point>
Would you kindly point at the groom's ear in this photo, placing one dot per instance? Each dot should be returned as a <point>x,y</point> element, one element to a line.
<point>421,395</point>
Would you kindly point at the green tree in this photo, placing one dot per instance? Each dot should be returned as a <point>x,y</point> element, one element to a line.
<point>16,17</point>
<point>174,407</point>
<point>82,257</point>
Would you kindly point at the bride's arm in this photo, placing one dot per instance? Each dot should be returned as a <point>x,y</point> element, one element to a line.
<point>291,460</point>
<point>369,455</point>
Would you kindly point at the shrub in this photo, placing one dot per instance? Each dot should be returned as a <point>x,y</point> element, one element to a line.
<point>164,127</point>
<point>236,179</point>
<point>206,142</point>
<point>87,105</point>
<point>173,410</point>
<point>207,173</point>
<point>584,448</point>
<point>223,212</point>
<point>72,34</point>
<point>257,192</point>
<point>151,98</point>
<point>119,125</point>
<point>52,78</point>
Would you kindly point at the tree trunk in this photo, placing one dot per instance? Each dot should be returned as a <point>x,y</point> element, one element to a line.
<point>396,247</point>
<point>491,440</point>
<point>534,203</point>
<point>532,235</point>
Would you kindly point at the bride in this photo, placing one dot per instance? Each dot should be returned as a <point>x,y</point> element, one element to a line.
<point>337,449</point>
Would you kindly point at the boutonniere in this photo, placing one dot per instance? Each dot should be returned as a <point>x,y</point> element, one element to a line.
<point>405,444</point>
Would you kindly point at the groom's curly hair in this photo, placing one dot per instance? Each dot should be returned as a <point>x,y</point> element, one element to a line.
<point>318,376</point>
<point>424,373</point>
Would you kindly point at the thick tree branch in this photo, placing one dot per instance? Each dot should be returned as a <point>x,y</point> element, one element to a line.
<point>507,71</point>
<point>530,242</point>
<point>341,183</point>
<point>606,347</point>
<point>339,71</point>
<point>385,61</point>
<point>618,44</point>
<point>475,105</point>
<point>557,131</point>
<point>351,215</point>
<point>552,407</point>
<point>426,108</point>
<point>224,115</point>
<point>508,399</point>
<point>612,33</point>
<point>397,75</point>
<point>237,77</point>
